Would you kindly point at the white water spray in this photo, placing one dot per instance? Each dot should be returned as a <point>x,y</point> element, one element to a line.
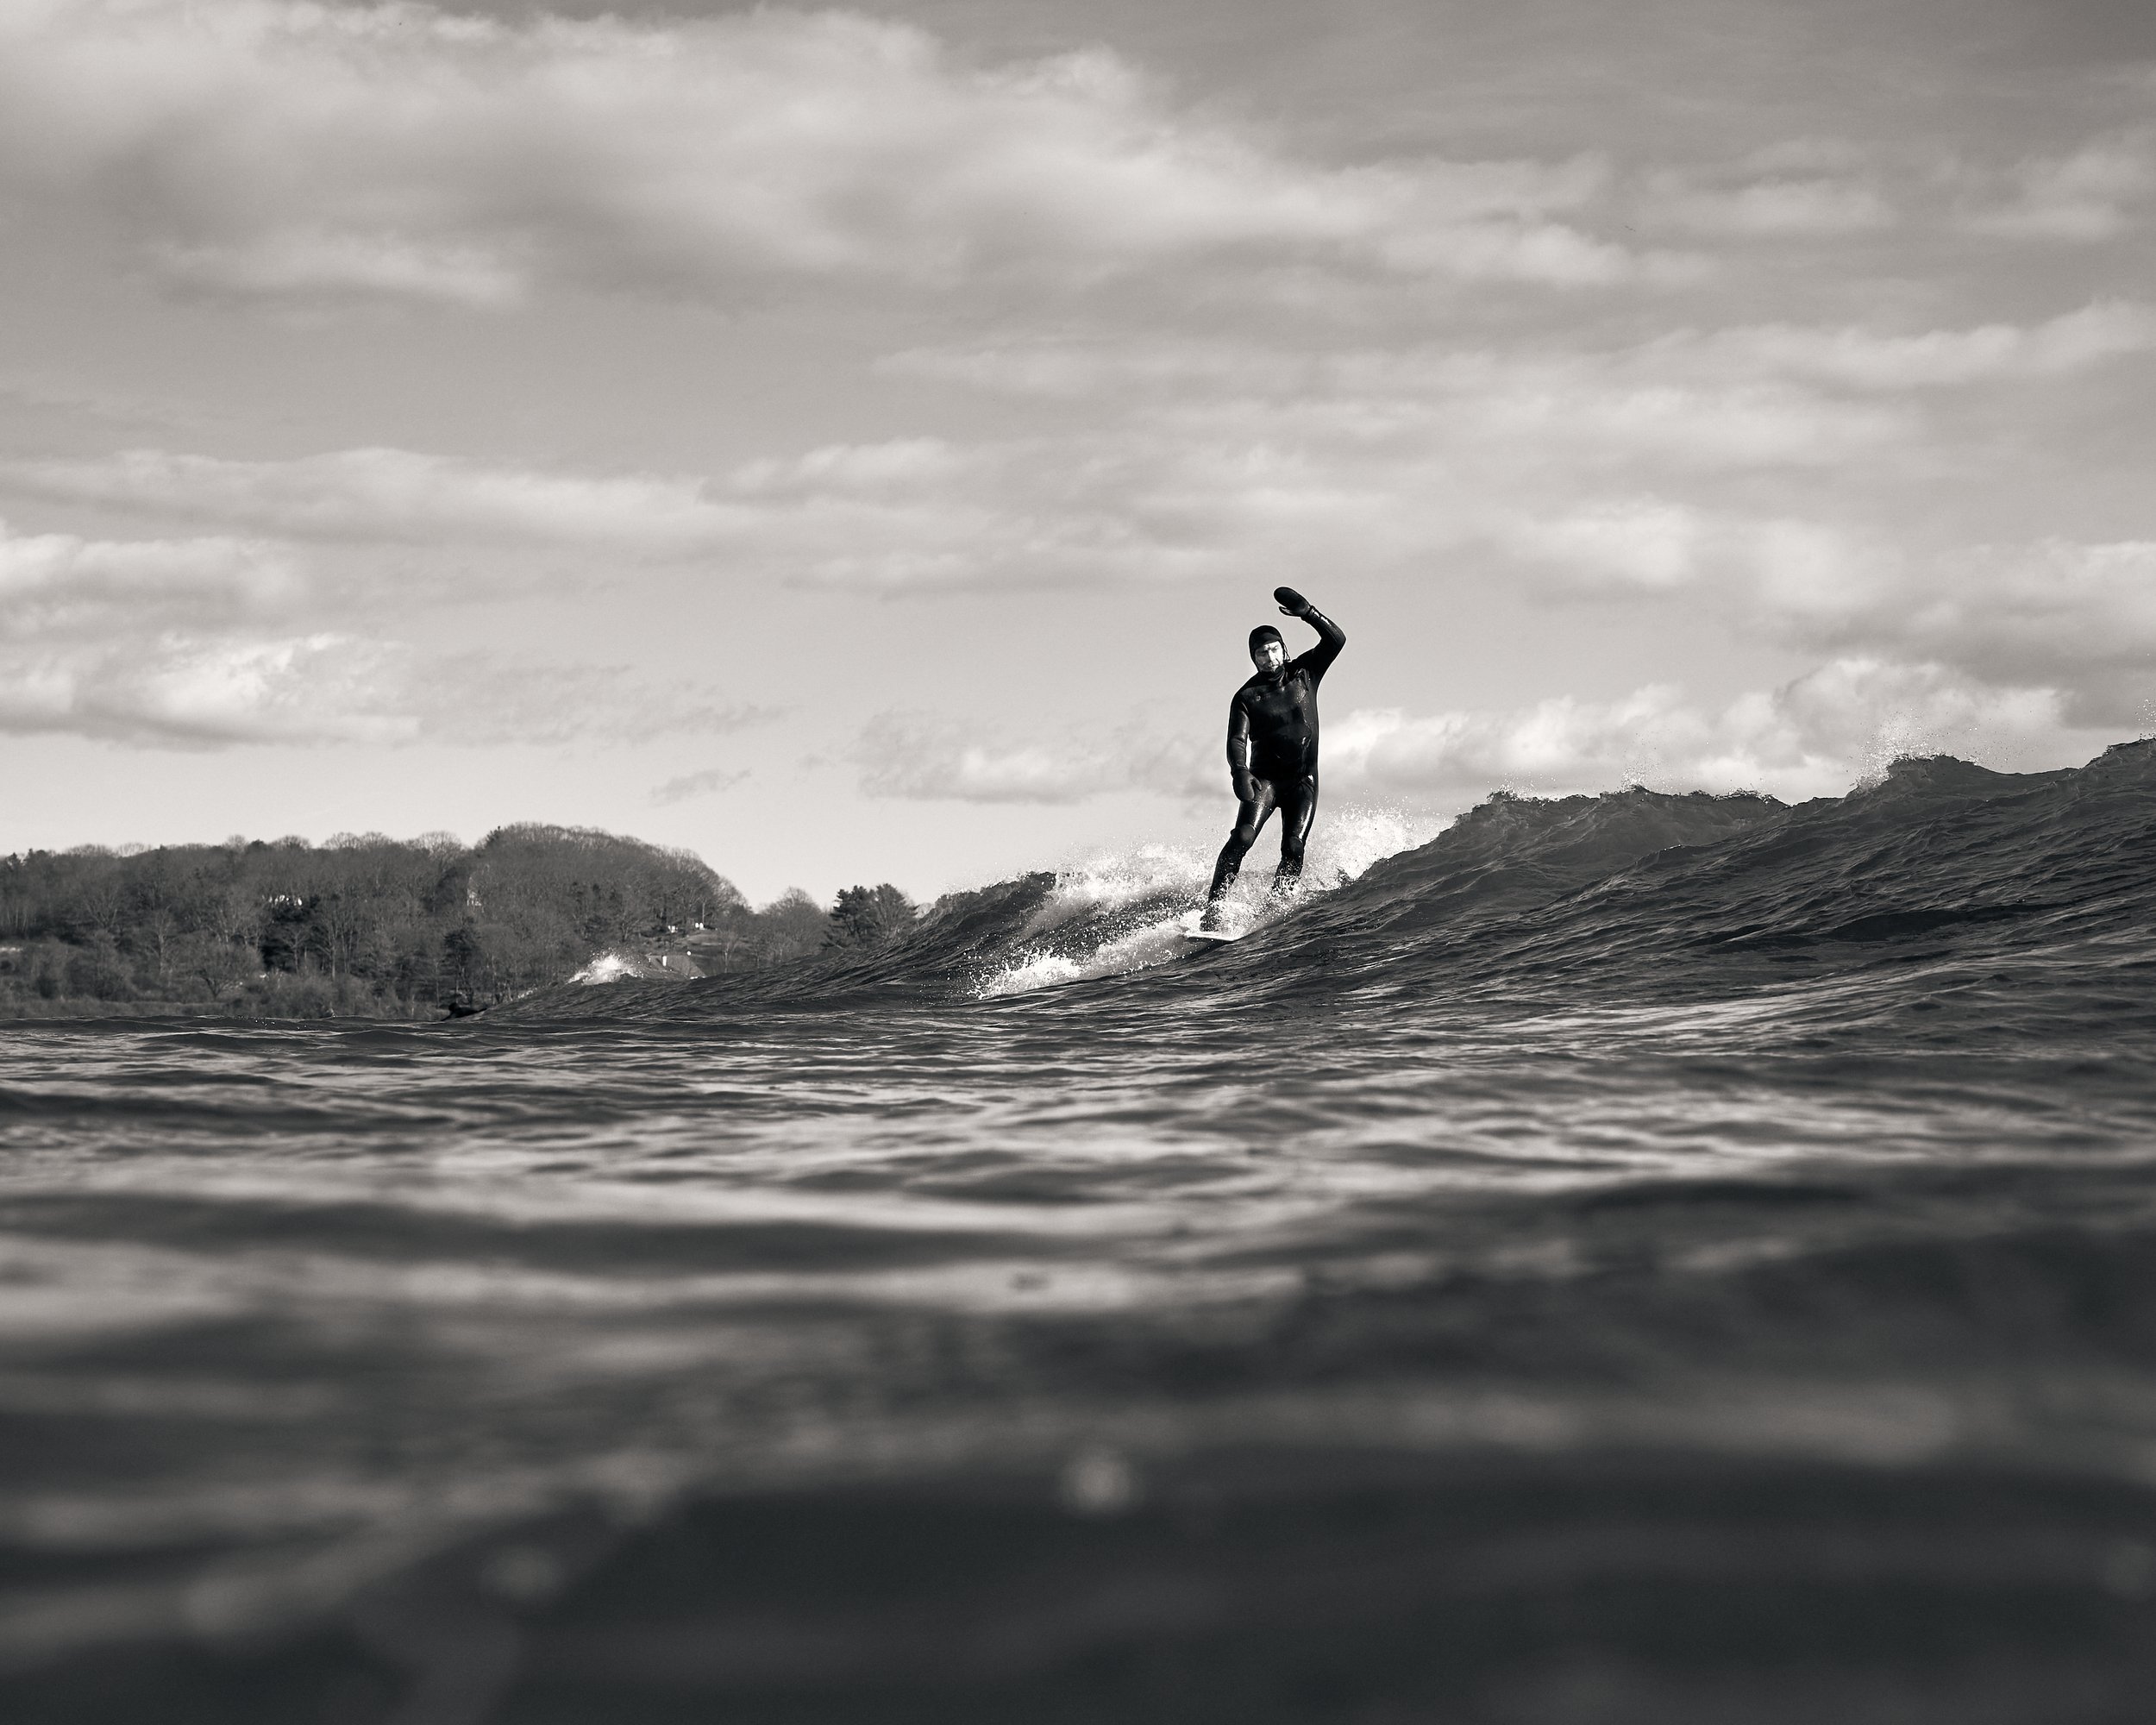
<point>1173,880</point>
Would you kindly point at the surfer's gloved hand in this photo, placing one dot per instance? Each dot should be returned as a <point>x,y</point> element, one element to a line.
<point>1291,603</point>
<point>1245,786</point>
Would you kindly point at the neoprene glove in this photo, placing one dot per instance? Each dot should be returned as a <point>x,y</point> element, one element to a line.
<point>1245,786</point>
<point>1293,603</point>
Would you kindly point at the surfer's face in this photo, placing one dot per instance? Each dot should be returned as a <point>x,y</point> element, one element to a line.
<point>1269,655</point>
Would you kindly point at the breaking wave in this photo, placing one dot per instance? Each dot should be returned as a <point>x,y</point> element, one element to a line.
<point>1120,911</point>
<point>1637,895</point>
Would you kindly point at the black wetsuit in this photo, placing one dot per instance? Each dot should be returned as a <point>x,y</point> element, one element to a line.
<point>1273,724</point>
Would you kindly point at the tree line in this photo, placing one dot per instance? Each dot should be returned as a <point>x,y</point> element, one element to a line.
<point>371,925</point>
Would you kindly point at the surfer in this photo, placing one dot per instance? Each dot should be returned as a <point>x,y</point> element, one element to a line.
<point>1273,746</point>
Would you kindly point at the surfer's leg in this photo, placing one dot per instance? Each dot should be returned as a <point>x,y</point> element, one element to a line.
<point>1250,816</point>
<point>1298,808</point>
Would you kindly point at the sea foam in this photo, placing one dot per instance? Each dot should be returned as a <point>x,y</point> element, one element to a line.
<point>1115,912</point>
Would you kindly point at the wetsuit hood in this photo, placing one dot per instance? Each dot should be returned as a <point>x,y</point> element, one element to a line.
<point>1261,634</point>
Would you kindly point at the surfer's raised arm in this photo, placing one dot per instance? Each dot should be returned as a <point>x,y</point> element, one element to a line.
<point>1330,637</point>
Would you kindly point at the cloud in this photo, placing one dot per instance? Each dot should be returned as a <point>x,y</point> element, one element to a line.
<point>1717,402</point>
<point>1208,452</point>
<point>1643,543</point>
<point>1192,487</point>
<point>2074,342</point>
<point>1064,368</point>
<point>195,692</point>
<point>1773,207</point>
<point>1775,570</point>
<point>1598,407</point>
<point>199,643</point>
<point>930,757</point>
<point>1657,471</point>
<point>393,494</point>
<point>1630,471</point>
<point>304,261</point>
<point>1673,467</point>
<point>702,784</point>
<point>1740,384</point>
<point>184,692</point>
<point>903,514</point>
<point>166,638</point>
<point>1812,736</point>
<point>480,698</point>
<point>1587,466</point>
<point>2093,195</point>
<point>919,757</point>
<point>910,512</point>
<point>59,584</point>
<point>275,147</point>
<point>2080,618</point>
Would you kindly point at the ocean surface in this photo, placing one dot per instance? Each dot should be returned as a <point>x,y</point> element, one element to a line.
<point>1640,1258</point>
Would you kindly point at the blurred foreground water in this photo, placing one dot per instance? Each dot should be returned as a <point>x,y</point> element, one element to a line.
<point>1639,1259</point>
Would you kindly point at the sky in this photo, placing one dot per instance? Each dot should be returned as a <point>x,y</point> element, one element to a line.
<point>855,444</point>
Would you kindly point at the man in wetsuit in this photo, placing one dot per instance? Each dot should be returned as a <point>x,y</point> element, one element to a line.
<point>1273,746</point>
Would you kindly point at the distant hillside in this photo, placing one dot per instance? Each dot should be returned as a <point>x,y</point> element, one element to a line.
<point>364,925</point>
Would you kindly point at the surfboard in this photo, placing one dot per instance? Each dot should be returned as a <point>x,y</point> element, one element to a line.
<point>1210,937</point>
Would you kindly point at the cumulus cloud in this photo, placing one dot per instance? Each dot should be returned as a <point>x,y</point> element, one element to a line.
<point>1654,473</point>
<point>1714,404</point>
<point>1211,451</point>
<point>1812,736</point>
<point>1613,472</point>
<point>928,757</point>
<point>1610,473</point>
<point>2070,343</point>
<point>1583,469</point>
<point>905,513</point>
<point>2095,194</point>
<point>1643,542</point>
<point>1061,367</point>
<point>199,643</point>
<point>397,494</point>
<point>1776,570</point>
<point>305,261</point>
<point>166,638</point>
<point>59,585</point>
<point>1671,470</point>
<point>2079,617</point>
<point>272,146</point>
<point>920,757</point>
<point>703,784</point>
<point>1747,387</point>
<point>1538,462</point>
<point>184,692</point>
<point>483,698</point>
<point>173,690</point>
<point>1806,208</point>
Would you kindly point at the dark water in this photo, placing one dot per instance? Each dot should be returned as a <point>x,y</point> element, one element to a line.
<point>1645,1259</point>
